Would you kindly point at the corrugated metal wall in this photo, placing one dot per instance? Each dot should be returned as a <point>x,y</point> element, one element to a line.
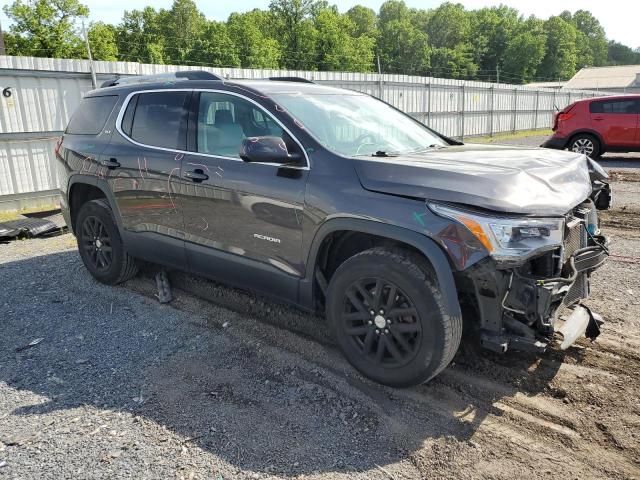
<point>45,92</point>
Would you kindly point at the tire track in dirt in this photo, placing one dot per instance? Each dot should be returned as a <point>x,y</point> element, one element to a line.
<point>506,405</point>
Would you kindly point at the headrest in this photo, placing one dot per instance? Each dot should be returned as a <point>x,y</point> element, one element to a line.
<point>223,117</point>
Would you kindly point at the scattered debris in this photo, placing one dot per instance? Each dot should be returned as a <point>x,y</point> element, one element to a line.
<point>164,289</point>
<point>27,227</point>
<point>3,464</point>
<point>32,343</point>
<point>225,324</point>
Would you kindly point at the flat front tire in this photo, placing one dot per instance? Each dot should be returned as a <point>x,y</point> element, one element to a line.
<point>100,245</point>
<point>389,319</point>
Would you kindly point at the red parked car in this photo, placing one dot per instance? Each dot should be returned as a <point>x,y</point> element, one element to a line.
<point>597,125</point>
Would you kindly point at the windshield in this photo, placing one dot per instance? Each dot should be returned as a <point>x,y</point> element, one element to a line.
<point>355,124</point>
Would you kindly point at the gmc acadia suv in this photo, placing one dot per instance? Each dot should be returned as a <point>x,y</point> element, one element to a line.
<point>598,125</point>
<point>334,201</point>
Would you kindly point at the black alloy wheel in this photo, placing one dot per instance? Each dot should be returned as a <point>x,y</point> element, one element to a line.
<point>96,242</point>
<point>100,245</point>
<point>382,322</point>
<point>389,317</point>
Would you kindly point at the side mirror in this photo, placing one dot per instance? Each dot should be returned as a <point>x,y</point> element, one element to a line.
<point>266,149</point>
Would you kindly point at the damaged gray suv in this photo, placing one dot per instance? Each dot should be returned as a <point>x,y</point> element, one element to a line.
<point>339,203</point>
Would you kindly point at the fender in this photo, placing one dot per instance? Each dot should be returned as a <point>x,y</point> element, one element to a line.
<point>102,185</point>
<point>421,242</point>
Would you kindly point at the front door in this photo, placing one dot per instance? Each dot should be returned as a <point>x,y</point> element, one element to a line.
<point>243,221</point>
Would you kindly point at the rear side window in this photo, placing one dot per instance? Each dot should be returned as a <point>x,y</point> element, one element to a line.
<point>614,106</point>
<point>91,115</point>
<point>157,119</point>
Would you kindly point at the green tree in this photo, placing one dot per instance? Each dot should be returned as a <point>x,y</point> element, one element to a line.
<point>249,33</point>
<point>298,36</point>
<point>336,48</point>
<point>591,41</point>
<point>619,54</point>
<point>364,20</point>
<point>140,37</point>
<point>492,29</point>
<point>102,38</point>
<point>525,51</point>
<point>448,28</point>
<point>561,52</point>
<point>215,47</point>
<point>45,28</point>
<point>182,25</point>
<point>402,47</point>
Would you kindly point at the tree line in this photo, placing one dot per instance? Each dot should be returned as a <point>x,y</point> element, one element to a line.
<point>448,41</point>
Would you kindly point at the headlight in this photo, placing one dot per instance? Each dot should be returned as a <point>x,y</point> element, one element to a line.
<point>507,238</point>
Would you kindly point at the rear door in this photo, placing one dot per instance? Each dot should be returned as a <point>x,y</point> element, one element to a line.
<point>146,159</point>
<point>616,120</point>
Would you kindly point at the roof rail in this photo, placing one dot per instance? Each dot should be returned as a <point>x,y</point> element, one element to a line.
<point>291,79</point>
<point>162,77</point>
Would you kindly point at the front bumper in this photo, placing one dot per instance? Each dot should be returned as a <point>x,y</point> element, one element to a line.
<point>555,142</point>
<point>523,307</point>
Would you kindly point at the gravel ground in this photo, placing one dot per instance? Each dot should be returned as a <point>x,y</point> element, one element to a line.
<point>222,384</point>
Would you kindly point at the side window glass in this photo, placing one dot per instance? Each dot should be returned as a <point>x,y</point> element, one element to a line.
<point>596,107</point>
<point>157,119</point>
<point>224,121</point>
<point>91,115</point>
<point>619,106</point>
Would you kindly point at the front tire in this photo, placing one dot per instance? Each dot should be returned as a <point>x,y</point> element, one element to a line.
<point>389,318</point>
<point>586,144</point>
<point>100,245</point>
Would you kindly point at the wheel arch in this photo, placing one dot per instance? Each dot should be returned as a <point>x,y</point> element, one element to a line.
<point>84,188</point>
<point>417,242</point>
<point>587,131</point>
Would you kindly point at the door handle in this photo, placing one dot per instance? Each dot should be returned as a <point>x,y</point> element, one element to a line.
<point>598,118</point>
<point>111,164</point>
<point>196,175</point>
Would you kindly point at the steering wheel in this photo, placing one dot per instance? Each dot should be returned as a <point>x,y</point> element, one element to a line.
<point>360,141</point>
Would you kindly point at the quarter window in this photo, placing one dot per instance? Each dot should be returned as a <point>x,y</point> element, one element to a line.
<point>91,115</point>
<point>158,119</point>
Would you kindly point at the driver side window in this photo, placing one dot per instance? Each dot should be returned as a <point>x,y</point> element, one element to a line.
<point>224,121</point>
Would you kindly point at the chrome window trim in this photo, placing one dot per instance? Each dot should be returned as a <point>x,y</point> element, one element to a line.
<point>128,98</point>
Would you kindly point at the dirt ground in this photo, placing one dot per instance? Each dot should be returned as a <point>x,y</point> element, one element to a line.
<point>222,384</point>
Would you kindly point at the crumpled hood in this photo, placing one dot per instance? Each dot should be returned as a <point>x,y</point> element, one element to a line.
<point>509,179</point>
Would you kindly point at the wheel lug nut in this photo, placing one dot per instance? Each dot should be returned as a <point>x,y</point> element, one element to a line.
<point>381,312</point>
<point>372,312</point>
<point>378,331</point>
<point>388,320</point>
<point>386,330</point>
<point>370,322</point>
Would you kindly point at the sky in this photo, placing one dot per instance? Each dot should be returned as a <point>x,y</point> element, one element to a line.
<point>618,17</point>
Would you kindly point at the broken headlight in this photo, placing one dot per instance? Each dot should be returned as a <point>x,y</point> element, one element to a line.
<point>507,237</point>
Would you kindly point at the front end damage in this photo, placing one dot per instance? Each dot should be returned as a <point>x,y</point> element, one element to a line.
<point>521,306</point>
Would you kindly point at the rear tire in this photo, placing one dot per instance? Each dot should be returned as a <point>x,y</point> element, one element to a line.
<point>389,318</point>
<point>100,245</point>
<point>586,144</point>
